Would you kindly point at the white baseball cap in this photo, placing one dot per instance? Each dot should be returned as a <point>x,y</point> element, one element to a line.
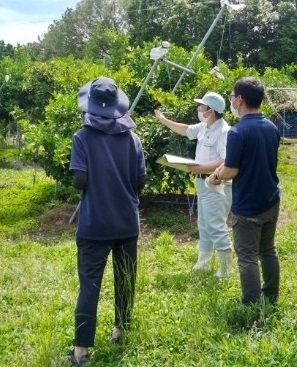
<point>213,100</point>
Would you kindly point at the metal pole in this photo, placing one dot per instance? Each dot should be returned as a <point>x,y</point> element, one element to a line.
<point>155,64</point>
<point>75,214</point>
<point>280,88</point>
<point>6,79</point>
<point>201,45</point>
<point>176,66</point>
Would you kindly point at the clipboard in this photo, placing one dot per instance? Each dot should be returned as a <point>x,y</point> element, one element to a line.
<point>177,162</point>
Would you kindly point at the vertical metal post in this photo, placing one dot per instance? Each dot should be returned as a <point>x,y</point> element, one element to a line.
<point>144,85</point>
<point>201,45</point>
<point>6,79</point>
<point>284,125</point>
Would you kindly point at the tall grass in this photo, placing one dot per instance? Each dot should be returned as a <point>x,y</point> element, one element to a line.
<point>181,318</point>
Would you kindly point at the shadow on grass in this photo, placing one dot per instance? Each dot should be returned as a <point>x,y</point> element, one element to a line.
<point>109,355</point>
<point>4,163</point>
<point>175,220</point>
<point>256,317</point>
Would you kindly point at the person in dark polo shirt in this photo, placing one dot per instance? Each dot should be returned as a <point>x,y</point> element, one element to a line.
<point>108,165</point>
<point>251,161</point>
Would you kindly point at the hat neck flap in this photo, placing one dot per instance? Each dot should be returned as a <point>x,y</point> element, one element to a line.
<point>109,125</point>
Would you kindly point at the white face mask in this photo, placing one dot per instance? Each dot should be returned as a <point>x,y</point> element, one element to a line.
<point>234,110</point>
<point>201,116</point>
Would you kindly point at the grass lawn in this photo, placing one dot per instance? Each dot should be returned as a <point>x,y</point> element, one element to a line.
<point>181,318</point>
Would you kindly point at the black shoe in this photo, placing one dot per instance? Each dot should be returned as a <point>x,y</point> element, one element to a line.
<point>78,362</point>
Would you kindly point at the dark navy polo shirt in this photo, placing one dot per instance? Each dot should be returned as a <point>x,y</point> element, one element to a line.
<point>252,146</point>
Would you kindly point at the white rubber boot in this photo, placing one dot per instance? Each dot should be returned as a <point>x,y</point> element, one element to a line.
<point>225,262</point>
<point>203,261</point>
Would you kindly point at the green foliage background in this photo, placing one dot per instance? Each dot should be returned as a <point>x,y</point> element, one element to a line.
<point>40,103</point>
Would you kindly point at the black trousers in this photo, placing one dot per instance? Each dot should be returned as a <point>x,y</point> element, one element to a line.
<point>91,261</point>
<point>254,241</point>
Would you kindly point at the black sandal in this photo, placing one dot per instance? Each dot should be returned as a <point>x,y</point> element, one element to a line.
<point>78,362</point>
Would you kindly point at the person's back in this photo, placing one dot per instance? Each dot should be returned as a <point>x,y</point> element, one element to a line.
<point>109,206</point>
<point>108,165</point>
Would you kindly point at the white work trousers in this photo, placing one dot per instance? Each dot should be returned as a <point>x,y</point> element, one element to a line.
<point>213,210</point>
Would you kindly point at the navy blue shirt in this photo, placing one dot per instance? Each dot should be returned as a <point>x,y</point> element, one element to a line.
<point>114,161</point>
<point>252,146</point>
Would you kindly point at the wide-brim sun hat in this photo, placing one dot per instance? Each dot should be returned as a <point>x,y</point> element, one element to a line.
<point>102,97</point>
<point>213,100</point>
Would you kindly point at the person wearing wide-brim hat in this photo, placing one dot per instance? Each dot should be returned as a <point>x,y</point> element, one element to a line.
<point>108,163</point>
<point>102,97</point>
<point>213,204</point>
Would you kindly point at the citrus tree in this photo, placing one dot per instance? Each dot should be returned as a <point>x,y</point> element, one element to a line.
<point>50,115</point>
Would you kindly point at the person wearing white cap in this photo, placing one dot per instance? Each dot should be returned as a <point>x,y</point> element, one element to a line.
<point>213,205</point>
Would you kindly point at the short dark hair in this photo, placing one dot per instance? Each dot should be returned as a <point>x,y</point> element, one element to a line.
<point>218,115</point>
<point>251,90</point>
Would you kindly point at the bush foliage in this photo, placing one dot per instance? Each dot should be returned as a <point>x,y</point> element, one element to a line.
<point>39,104</point>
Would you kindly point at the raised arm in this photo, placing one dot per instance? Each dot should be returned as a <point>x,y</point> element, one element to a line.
<point>176,127</point>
